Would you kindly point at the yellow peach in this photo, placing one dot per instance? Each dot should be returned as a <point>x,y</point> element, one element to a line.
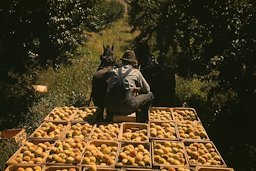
<point>20,169</point>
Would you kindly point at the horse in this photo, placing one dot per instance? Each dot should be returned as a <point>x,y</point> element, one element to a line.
<point>107,58</point>
<point>99,81</point>
<point>160,77</point>
<point>162,83</point>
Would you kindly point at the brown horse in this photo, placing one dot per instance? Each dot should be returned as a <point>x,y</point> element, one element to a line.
<point>160,77</point>
<point>162,83</point>
<point>107,58</point>
<point>99,81</point>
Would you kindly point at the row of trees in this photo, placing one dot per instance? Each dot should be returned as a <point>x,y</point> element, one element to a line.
<point>49,31</point>
<point>35,35</point>
<point>216,41</point>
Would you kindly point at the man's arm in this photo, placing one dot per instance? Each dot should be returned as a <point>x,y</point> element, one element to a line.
<point>144,86</point>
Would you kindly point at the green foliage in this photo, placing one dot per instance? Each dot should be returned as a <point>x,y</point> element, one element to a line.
<point>69,86</point>
<point>199,36</point>
<point>103,14</point>
<point>40,32</point>
<point>36,35</point>
<point>205,96</point>
<point>33,35</point>
<point>187,89</point>
<point>196,37</point>
<point>64,20</point>
<point>48,32</point>
<point>7,149</point>
<point>15,99</point>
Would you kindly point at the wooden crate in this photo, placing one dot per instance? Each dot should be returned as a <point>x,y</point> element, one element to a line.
<point>12,159</point>
<point>60,135</point>
<point>160,114</point>
<point>85,114</point>
<point>106,169</point>
<point>175,168</point>
<point>61,167</point>
<point>102,131</point>
<point>70,134</point>
<point>14,167</point>
<point>70,116</point>
<point>169,164</point>
<point>201,133</point>
<point>133,127</point>
<point>184,113</point>
<point>57,151</point>
<point>201,168</point>
<point>160,124</point>
<point>146,145</point>
<point>125,118</point>
<point>137,169</point>
<point>89,168</point>
<point>213,149</point>
<point>99,143</point>
<point>19,135</point>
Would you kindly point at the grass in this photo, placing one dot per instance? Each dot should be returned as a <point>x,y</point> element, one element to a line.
<point>119,35</point>
<point>7,149</point>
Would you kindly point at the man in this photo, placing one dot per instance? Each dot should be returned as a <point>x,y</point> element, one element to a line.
<point>128,91</point>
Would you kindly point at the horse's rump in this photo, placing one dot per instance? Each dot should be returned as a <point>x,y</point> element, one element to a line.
<point>99,85</point>
<point>99,81</point>
<point>162,84</point>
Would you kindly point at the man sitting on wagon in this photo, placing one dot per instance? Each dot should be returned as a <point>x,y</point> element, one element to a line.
<point>128,91</point>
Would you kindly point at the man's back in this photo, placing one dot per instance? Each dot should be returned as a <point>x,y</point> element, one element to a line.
<point>128,79</point>
<point>132,80</point>
<point>118,91</point>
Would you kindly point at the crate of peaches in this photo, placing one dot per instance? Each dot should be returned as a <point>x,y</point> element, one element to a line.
<point>19,135</point>
<point>26,167</point>
<point>31,152</point>
<point>160,114</point>
<point>67,151</point>
<point>203,168</point>
<point>62,168</point>
<point>203,153</point>
<point>138,169</point>
<point>94,168</point>
<point>189,130</point>
<point>80,130</point>
<point>134,132</point>
<point>163,130</point>
<point>100,154</point>
<point>174,168</point>
<point>134,154</point>
<point>168,153</point>
<point>50,130</point>
<point>106,131</point>
<point>84,114</point>
<point>61,114</point>
<point>184,114</point>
